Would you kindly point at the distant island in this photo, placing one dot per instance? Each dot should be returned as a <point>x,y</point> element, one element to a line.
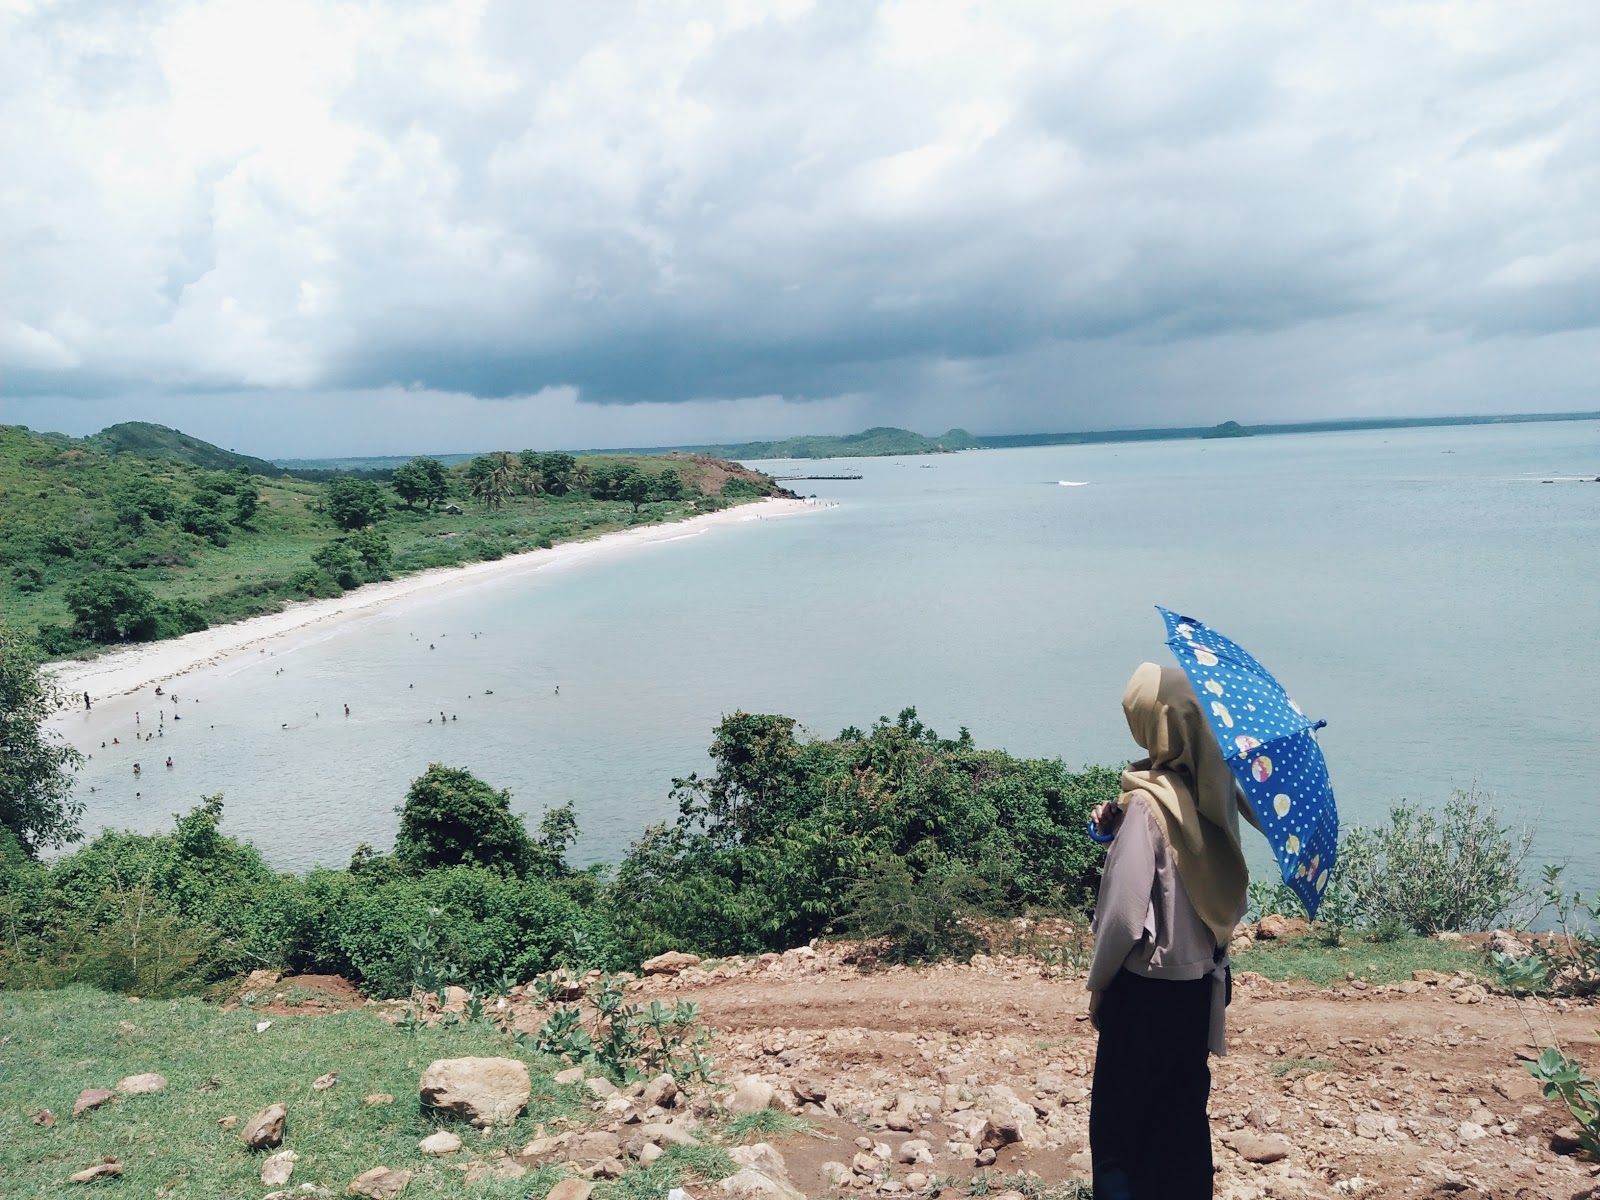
<point>1228,429</point>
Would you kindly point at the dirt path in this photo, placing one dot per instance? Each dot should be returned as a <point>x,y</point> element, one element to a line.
<point>1405,1090</point>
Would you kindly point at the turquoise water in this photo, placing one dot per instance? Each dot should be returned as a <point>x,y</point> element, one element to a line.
<point>1422,590</point>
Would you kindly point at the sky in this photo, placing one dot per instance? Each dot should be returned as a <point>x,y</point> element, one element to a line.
<point>320,228</point>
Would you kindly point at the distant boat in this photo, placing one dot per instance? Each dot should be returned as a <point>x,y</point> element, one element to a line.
<point>1072,483</point>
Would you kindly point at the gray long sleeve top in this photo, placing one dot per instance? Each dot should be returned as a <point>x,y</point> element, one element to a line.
<point>1144,921</point>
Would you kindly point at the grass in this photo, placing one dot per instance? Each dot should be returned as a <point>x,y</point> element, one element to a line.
<point>769,1122</point>
<point>1376,962</point>
<point>1284,1066</point>
<point>54,1044</point>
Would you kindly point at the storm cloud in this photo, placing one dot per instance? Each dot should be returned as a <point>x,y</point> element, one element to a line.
<point>690,221</point>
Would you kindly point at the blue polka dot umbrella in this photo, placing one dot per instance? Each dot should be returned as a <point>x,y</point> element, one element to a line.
<point>1271,747</point>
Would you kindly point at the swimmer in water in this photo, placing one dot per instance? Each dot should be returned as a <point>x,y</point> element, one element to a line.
<point>347,710</point>
<point>169,761</point>
<point>135,768</point>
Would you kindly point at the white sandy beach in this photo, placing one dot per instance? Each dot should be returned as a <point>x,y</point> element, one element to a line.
<point>124,671</point>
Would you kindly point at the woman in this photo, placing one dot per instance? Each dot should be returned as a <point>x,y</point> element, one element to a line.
<point>1171,893</point>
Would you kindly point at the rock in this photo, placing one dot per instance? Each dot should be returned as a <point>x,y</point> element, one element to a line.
<point>1260,1148</point>
<point>380,1183</point>
<point>998,1131</point>
<point>1503,941</point>
<point>379,1098</point>
<point>669,963</point>
<point>571,1077</point>
<point>1473,993</point>
<point>108,1169</point>
<point>1471,1131</point>
<point>45,1119</point>
<point>228,1122</point>
<point>437,1145</point>
<point>1274,927</point>
<point>914,1151</point>
<point>916,1181</point>
<point>753,1185</point>
<point>760,1157</point>
<point>607,1168</point>
<point>663,1133</point>
<point>323,1082</point>
<point>898,1121</point>
<point>90,1099</point>
<point>483,1091</point>
<point>1423,975</point>
<point>455,999</point>
<point>648,1154</point>
<point>263,1026</point>
<point>265,1130</point>
<point>276,1170</point>
<point>586,1149</point>
<point>600,1087</point>
<point>752,1095</point>
<point>1369,1125</point>
<point>570,1189</point>
<point>835,1173</point>
<point>660,1091</point>
<point>808,1091</point>
<point>865,1164</point>
<point>1567,1140</point>
<point>142,1085</point>
<point>986,1157</point>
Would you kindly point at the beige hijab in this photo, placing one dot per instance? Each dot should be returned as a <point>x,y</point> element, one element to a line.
<point>1192,794</point>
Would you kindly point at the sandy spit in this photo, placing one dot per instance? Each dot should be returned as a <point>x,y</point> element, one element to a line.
<point>124,671</point>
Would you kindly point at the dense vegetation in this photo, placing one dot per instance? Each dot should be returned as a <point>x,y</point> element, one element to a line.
<point>142,532</point>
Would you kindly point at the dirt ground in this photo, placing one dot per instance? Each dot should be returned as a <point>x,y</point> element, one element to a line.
<point>1403,1090</point>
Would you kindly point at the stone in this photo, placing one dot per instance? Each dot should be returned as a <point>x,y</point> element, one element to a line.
<point>1503,941</point>
<point>228,1122</point>
<point>379,1098</point>
<point>600,1087</point>
<point>1566,1140</point>
<point>1275,928</point>
<point>898,1121</point>
<point>648,1154</point>
<point>276,1170</point>
<point>607,1168</point>
<point>142,1085</point>
<point>570,1189</point>
<point>437,1145</point>
<point>108,1169</point>
<point>323,1082</point>
<point>455,999</point>
<point>999,1131</point>
<point>1471,1131</point>
<point>663,1133</point>
<point>760,1157</point>
<point>380,1183</point>
<point>1369,1125</point>
<point>1473,993</point>
<point>571,1077</point>
<point>670,963</point>
<point>586,1149</point>
<point>265,1130</point>
<point>986,1157</point>
<point>90,1099</point>
<point>44,1119</point>
<point>483,1091</point>
<point>263,1026</point>
<point>1260,1148</point>
<point>1423,975</point>
<point>660,1091</point>
<point>749,1184</point>
<point>835,1173</point>
<point>808,1091</point>
<point>865,1164</point>
<point>916,1181</point>
<point>913,1152</point>
<point>751,1095</point>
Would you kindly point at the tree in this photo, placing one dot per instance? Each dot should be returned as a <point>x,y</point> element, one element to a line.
<point>203,517</point>
<point>36,768</point>
<point>493,478</point>
<point>247,502</point>
<point>452,818</point>
<point>337,561</point>
<point>634,486</point>
<point>420,481</point>
<point>668,485</point>
<point>580,476</point>
<point>375,552</point>
<point>355,503</point>
<point>108,606</point>
<point>557,469</point>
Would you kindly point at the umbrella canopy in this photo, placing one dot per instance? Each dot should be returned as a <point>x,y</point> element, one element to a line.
<point>1271,747</point>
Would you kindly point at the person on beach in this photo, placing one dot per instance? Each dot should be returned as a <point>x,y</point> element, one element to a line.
<point>1171,892</point>
<point>87,704</point>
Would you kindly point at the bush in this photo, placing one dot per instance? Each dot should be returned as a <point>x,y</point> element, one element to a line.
<point>915,917</point>
<point>452,818</point>
<point>110,606</point>
<point>1456,871</point>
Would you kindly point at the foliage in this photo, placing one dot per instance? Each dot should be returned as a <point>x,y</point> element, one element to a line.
<point>916,917</point>
<point>1569,961</point>
<point>355,503</point>
<point>111,606</point>
<point>767,849</point>
<point>452,818</point>
<point>339,563</point>
<point>630,1041</point>
<point>420,481</point>
<point>1459,870</point>
<point>36,767</point>
<point>735,488</point>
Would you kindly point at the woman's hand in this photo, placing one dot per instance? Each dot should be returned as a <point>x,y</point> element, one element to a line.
<point>1094,1008</point>
<point>1107,817</point>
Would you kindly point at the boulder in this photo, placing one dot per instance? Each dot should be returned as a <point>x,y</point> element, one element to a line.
<point>865,1164</point>
<point>482,1091</point>
<point>570,1189</point>
<point>999,1131</point>
<point>808,1091</point>
<point>380,1183</point>
<point>436,1145</point>
<point>275,1172</point>
<point>1275,928</point>
<point>600,1087</point>
<point>914,1151</point>
<point>90,1099</point>
<point>760,1157</point>
<point>753,1185</point>
<point>751,1095</point>
<point>107,1169</point>
<point>649,1154</point>
<point>607,1168</point>
<point>835,1174</point>
<point>1259,1147</point>
<point>660,1091</point>
<point>1423,975</point>
<point>1567,1140</point>
<point>323,1082</point>
<point>571,1077</point>
<point>669,963</point>
<point>665,1134</point>
<point>142,1085</point>
<point>265,1130</point>
<point>587,1149</point>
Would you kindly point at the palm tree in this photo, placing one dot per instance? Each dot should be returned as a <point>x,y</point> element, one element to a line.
<point>580,475</point>
<point>494,484</point>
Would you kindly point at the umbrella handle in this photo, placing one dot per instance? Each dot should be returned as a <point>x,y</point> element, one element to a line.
<point>1103,838</point>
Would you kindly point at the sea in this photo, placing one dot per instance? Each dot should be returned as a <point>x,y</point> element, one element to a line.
<point>1431,593</point>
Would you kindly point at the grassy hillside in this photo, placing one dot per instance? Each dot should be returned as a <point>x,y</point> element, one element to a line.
<point>870,443</point>
<point>211,546</point>
<point>160,444</point>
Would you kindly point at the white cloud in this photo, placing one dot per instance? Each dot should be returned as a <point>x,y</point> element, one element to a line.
<point>999,215</point>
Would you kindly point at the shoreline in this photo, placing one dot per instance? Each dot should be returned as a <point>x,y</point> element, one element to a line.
<point>125,671</point>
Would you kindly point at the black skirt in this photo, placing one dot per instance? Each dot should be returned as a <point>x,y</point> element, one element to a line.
<point>1149,1134</point>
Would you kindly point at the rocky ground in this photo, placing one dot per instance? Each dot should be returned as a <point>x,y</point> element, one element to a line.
<point>918,1078</point>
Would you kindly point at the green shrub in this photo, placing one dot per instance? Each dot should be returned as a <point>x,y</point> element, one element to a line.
<point>452,818</point>
<point>915,917</point>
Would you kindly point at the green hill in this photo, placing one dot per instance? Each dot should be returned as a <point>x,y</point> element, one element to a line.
<point>157,442</point>
<point>870,443</point>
